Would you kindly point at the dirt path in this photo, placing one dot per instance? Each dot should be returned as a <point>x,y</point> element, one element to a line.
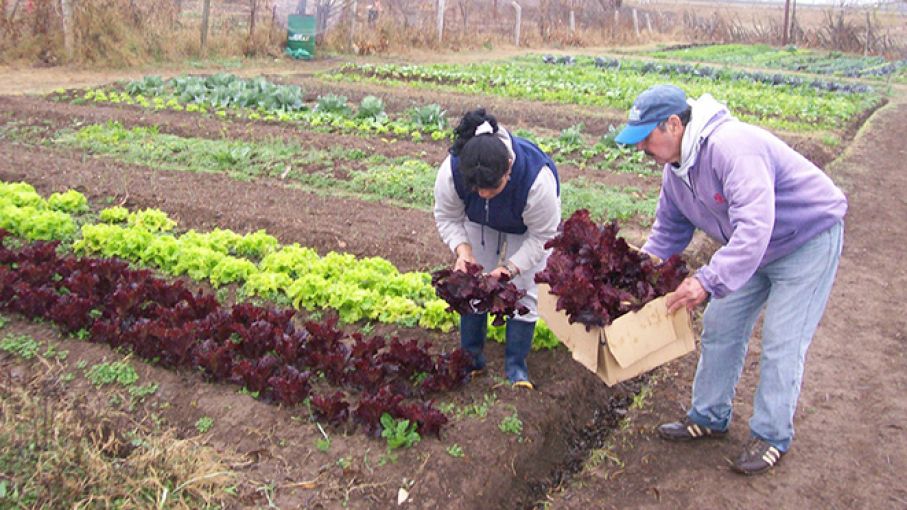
<point>851,447</point>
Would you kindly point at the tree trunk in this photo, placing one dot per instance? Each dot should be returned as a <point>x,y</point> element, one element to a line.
<point>636,23</point>
<point>273,24</point>
<point>517,23</point>
<point>206,10</point>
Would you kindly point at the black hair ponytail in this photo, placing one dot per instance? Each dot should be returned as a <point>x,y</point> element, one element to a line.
<point>484,159</point>
<point>466,129</point>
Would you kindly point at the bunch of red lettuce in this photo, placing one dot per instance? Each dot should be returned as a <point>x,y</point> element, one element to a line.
<point>598,277</point>
<point>472,291</point>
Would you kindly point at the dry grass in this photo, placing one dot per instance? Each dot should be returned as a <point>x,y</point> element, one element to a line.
<point>662,21</point>
<point>59,452</point>
<point>124,33</point>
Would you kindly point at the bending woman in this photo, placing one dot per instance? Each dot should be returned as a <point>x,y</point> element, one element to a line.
<point>497,201</point>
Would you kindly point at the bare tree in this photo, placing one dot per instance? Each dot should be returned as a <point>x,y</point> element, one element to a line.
<point>463,5</point>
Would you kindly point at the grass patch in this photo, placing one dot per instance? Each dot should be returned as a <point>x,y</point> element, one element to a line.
<point>606,203</point>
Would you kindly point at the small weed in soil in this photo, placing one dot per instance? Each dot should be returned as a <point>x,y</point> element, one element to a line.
<point>204,424</point>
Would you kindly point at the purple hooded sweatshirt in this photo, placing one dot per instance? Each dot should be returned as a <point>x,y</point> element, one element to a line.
<point>749,191</point>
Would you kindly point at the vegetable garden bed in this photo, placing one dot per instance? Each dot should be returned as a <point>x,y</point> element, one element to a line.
<point>499,448</point>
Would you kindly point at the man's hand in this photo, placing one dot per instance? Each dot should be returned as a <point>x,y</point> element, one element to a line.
<point>464,255</point>
<point>689,294</point>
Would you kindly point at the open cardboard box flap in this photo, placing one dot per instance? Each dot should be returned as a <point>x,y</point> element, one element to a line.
<point>632,344</point>
<point>637,334</point>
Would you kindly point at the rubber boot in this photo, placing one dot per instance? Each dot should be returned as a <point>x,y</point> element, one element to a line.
<point>473,329</point>
<point>519,341</point>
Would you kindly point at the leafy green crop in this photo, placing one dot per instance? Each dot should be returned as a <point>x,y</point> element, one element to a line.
<point>119,372</point>
<point>71,202</point>
<point>115,214</point>
<point>398,433</point>
<point>359,289</point>
<point>330,103</point>
<point>372,108</point>
<point>790,108</point>
<point>429,116</point>
<point>23,346</point>
<point>511,424</point>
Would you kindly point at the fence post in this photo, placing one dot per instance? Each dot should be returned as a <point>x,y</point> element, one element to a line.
<point>614,28</point>
<point>440,20</point>
<point>68,36</point>
<point>206,9</point>
<point>868,35</point>
<point>516,25</point>
<point>636,23</point>
<point>572,22</point>
<point>353,22</point>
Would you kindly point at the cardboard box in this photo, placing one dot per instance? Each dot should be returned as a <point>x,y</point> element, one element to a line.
<point>632,344</point>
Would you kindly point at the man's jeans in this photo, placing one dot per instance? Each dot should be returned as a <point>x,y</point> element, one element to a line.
<point>794,290</point>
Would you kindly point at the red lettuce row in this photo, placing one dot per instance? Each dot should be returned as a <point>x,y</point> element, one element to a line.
<point>598,277</point>
<point>257,347</point>
<point>472,291</point>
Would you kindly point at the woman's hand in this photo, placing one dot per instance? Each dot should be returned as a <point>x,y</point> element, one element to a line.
<point>509,270</point>
<point>464,256</point>
<point>689,294</point>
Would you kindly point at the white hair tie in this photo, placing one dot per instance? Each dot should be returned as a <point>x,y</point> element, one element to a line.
<point>484,128</point>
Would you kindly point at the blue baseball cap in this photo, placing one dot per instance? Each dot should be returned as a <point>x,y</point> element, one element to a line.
<point>654,105</point>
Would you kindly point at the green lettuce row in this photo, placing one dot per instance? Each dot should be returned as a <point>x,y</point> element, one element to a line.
<point>359,289</point>
<point>25,213</point>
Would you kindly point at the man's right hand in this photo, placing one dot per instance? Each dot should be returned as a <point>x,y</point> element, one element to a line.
<point>689,295</point>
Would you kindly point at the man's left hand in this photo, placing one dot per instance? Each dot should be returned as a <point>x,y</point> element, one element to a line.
<point>689,294</point>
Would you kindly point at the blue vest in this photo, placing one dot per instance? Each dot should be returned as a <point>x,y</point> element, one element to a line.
<point>505,211</point>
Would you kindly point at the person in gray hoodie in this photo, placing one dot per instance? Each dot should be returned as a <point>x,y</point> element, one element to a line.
<point>497,201</point>
<point>780,221</point>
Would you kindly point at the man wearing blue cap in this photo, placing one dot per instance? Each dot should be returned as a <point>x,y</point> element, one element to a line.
<point>780,221</point>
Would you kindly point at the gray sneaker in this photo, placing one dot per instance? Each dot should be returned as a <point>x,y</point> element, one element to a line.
<point>687,430</point>
<point>757,457</point>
